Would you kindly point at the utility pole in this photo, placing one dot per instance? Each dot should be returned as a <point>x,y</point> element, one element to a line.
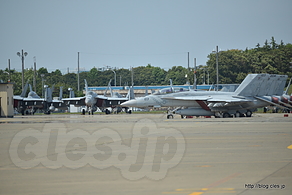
<point>78,86</point>
<point>22,55</point>
<point>195,76</point>
<point>132,76</point>
<point>189,61</point>
<point>34,74</point>
<point>9,70</point>
<point>217,69</point>
<point>115,74</point>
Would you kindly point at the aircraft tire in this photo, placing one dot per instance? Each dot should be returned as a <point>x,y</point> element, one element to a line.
<point>226,115</point>
<point>130,112</point>
<point>107,111</point>
<point>83,111</point>
<point>248,113</point>
<point>237,114</point>
<point>169,116</point>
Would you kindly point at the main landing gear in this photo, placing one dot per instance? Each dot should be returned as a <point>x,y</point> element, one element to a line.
<point>237,114</point>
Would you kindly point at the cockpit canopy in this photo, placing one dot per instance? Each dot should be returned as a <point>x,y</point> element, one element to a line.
<point>32,94</point>
<point>170,90</point>
<point>90,93</point>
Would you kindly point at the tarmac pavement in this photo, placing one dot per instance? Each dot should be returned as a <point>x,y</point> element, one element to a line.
<point>145,154</point>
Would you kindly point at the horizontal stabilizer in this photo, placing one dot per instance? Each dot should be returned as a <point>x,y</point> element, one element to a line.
<point>270,102</point>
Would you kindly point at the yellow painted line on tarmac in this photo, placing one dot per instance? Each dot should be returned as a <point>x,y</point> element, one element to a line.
<point>196,193</point>
<point>203,166</point>
<point>290,147</point>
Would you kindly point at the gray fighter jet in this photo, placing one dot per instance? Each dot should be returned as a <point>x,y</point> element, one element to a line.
<point>92,101</point>
<point>29,104</point>
<point>256,90</point>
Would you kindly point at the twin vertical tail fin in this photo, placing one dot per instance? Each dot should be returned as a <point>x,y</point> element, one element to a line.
<point>30,88</point>
<point>262,85</point>
<point>23,93</point>
<point>71,93</point>
<point>170,82</point>
<point>61,93</point>
<point>86,86</point>
<point>48,95</point>
<point>287,89</point>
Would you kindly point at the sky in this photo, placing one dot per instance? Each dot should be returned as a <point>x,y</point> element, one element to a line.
<point>132,33</point>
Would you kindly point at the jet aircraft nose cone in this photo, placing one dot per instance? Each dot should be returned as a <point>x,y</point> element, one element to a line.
<point>130,103</point>
<point>88,99</point>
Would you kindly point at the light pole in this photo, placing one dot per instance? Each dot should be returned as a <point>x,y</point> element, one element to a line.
<point>217,71</point>
<point>115,77</point>
<point>42,75</point>
<point>208,75</point>
<point>195,77</point>
<point>22,55</point>
<point>78,85</point>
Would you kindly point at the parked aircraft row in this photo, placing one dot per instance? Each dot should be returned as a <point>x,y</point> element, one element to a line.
<point>91,101</point>
<point>33,102</point>
<point>256,90</point>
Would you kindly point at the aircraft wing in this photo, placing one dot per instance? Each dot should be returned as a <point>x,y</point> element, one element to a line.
<point>73,99</point>
<point>18,97</point>
<point>101,97</point>
<point>118,99</point>
<point>33,99</point>
<point>28,99</point>
<point>226,99</point>
<point>188,98</point>
<point>76,101</point>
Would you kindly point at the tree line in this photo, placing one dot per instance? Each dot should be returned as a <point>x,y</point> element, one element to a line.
<point>234,65</point>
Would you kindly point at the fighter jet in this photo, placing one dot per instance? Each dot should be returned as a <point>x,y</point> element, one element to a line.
<point>29,104</point>
<point>92,101</point>
<point>256,90</point>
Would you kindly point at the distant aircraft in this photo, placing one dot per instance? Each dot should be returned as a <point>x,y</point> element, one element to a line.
<point>92,101</point>
<point>29,104</point>
<point>257,90</point>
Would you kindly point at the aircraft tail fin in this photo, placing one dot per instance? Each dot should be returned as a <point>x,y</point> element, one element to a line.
<point>170,81</point>
<point>71,93</point>
<point>130,94</point>
<point>146,91</point>
<point>262,85</point>
<point>48,94</point>
<point>110,88</point>
<point>30,88</point>
<point>287,89</point>
<point>24,90</point>
<point>86,86</point>
<point>61,93</point>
